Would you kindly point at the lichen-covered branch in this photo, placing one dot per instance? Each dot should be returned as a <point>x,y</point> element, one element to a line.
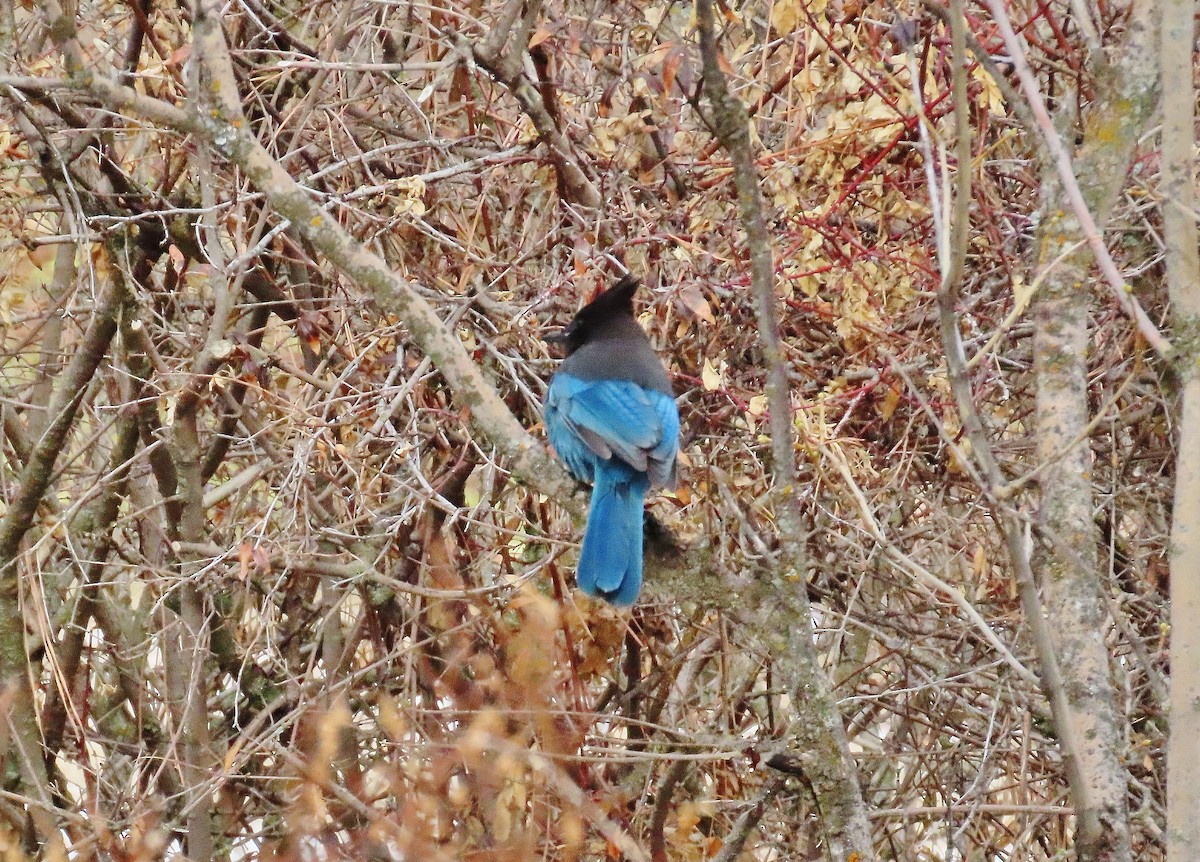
<point>815,735</point>
<point>992,479</point>
<point>1120,108</point>
<point>1071,577</point>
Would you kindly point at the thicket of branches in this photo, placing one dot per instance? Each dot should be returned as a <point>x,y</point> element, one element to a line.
<point>272,580</point>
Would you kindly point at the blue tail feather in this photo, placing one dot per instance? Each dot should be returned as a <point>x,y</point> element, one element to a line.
<point>610,564</point>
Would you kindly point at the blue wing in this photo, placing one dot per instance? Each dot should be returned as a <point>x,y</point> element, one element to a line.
<point>590,421</point>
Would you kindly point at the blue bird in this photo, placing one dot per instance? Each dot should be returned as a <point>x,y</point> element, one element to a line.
<point>611,416</point>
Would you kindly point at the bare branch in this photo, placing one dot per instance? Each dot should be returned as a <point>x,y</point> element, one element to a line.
<point>816,731</point>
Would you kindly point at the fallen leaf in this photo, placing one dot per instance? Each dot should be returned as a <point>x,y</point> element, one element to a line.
<point>693,300</point>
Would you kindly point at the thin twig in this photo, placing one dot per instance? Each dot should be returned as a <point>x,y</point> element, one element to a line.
<point>1066,174</point>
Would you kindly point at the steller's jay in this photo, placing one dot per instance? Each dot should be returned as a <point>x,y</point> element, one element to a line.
<point>611,416</point>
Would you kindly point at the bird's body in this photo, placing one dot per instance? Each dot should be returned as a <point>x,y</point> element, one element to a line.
<point>611,416</point>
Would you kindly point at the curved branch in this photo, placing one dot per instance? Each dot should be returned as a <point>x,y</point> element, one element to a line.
<point>503,62</point>
<point>990,477</point>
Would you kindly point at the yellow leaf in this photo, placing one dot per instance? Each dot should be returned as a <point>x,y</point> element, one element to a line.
<point>852,80</point>
<point>711,377</point>
<point>1023,293</point>
<point>979,561</point>
<point>785,15</point>
<point>687,817</point>
<point>890,401</point>
<point>990,94</point>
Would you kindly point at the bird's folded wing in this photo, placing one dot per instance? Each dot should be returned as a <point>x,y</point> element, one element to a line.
<point>614,418</point>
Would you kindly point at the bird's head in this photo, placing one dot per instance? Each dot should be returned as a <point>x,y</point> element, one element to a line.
<point>611,306</point>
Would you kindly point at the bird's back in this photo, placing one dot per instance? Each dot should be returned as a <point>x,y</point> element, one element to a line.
<point>622,353</point>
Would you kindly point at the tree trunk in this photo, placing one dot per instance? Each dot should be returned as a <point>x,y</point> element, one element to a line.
<point>1067,560</point>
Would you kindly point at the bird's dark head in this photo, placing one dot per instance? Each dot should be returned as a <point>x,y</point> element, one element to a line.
<point>611,306</point>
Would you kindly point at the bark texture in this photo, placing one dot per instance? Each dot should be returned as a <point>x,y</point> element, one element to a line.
<point>816,739</point>
<point>1067,559</point>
